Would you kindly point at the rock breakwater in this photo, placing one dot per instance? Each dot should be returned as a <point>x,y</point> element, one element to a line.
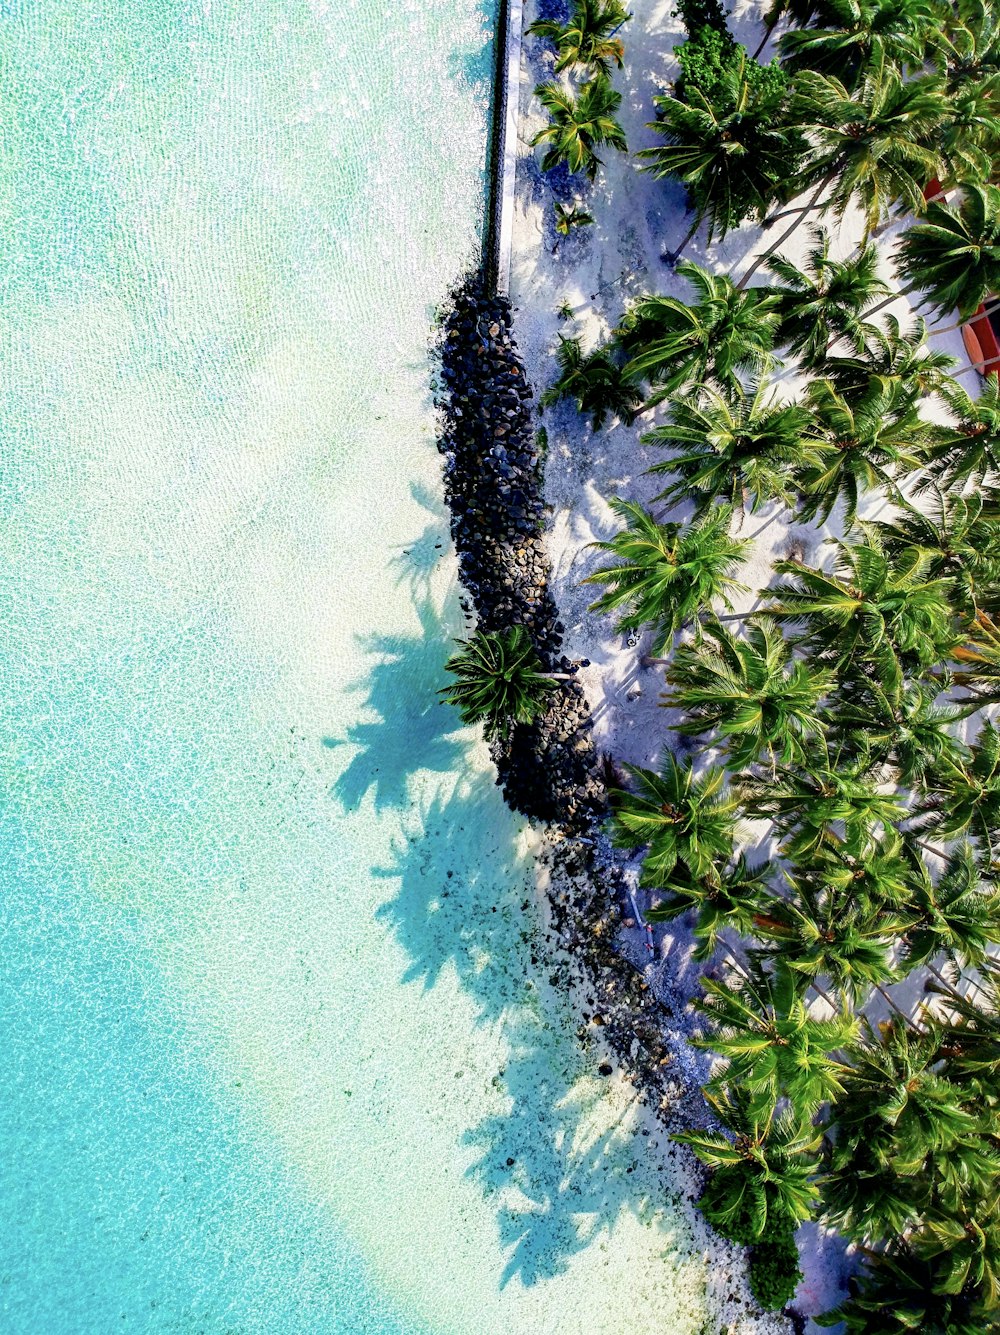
<point>494,489</point>
<point>549,770</point>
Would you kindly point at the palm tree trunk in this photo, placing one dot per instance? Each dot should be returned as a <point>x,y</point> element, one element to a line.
<point>765,39</point>
<point>938,975</point>
<point>960,324</point>
<point>893,296</point>
<point>979,366</point>
<point>672,256</point>
<point>821,992</point>
<point>806,208</point>
<point>910,1024</point>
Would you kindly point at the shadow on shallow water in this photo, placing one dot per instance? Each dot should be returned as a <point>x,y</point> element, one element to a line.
<point>559,1165</point>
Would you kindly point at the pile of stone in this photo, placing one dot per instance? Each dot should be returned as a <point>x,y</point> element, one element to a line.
<point>548,770</point>
<point>494,489</point>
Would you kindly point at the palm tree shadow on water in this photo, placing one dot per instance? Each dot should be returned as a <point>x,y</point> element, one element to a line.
<point>562,1167</point>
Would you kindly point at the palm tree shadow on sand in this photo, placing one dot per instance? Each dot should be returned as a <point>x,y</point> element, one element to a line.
<point>562,1166</point>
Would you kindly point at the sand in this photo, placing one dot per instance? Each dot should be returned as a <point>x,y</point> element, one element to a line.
<point>579,286</point>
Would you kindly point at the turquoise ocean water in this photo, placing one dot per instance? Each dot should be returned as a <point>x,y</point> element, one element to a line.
<point>279,1051</point>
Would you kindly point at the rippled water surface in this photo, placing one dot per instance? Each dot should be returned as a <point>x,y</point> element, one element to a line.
<point>277,1056</point>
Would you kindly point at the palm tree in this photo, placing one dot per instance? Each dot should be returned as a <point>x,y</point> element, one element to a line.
<point>953,255</point>
<point>826,934</point>
<point>877,143</point>
<point>963,1248</point>
<point>500,679</point>
<point>965,46</point>
<point>970,1032</point>
<point>900,1293</point>
<point>877,875</point>
<point>826,301</point>
<point>731,146</point>
<point>852,33</point>
<point>980,660</point>
<point>909,368</point>
<point>731,897</point>
<point>904,728</point>
<point>738,444</point>
<point>757,698</point>
<point>579,125</point>
<point>667,574</point>
<point>970,452</point>
<point>865,438</point>
<point>876,615</point>
<point>962,538</point>
<point>959,914</point>
<point>964,796</point>
<point>588,38</point>
<point>687,825</point>
<point>722,335</point>
<point>905,1135</point>
<point>595,381</point>
<point>569,216</point>
<point>808,806</point>
<point>762,1181</point>
<point>800,12</point>
<point>772,1045</point>
<point>874,145</point>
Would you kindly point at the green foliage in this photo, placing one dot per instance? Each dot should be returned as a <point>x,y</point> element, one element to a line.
<point>774,1270</point>
<point>762,1181</point>
<point>699,14</point>
<point>970,450</point>
<point>729,896</point>
<point>722,336</point>
<point>963,795</point>
<point>824,303</point>
<point>979,661</point>
<point>903,365</point>
<point>686,824</point>
<point>908,1140</point>
<point>588,37</point>
<point>865,438</point>
<point>959,913</point>
<point>500,681</point>
<point>876,144</point>
<point>750,691</point>
<point>953,255</point>
<point>773,1047</point>
<point>667,574</point>
<point>595,382</point>
<point>902,726</point>
<point>727,136</point>
<point>579,125</point>
<point>851,34</point>
<point>961,535</point>
<point>738,445</point>
<point>880,615</point>
<point>900,1293</point>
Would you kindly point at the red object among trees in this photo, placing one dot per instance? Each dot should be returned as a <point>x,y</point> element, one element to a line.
<point>982,334</point>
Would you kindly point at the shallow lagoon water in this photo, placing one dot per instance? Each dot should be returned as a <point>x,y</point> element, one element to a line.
<point>279,1057</point>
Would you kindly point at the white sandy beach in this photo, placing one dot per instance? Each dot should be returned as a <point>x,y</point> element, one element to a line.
<point>594,272</point>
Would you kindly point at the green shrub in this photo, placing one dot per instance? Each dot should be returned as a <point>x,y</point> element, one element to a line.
<point>774,1271</point>
<point>709,53</point>
<point>696,14</point>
